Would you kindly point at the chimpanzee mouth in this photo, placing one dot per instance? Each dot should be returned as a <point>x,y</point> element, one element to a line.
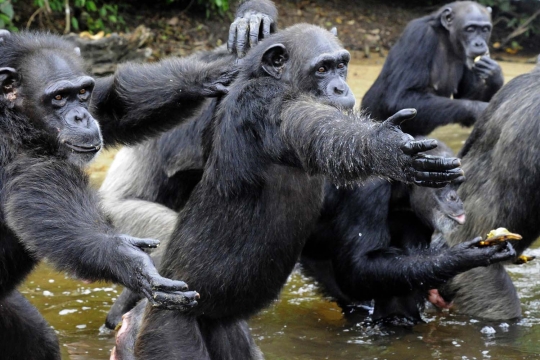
<point>460,219</point>
<point>83,148</point>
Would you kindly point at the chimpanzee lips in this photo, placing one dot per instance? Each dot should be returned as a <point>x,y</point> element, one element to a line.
<point>83,148</point>
<point>460,219</point>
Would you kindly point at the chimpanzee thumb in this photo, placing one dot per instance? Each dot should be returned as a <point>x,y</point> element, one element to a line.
<point>400,116</point>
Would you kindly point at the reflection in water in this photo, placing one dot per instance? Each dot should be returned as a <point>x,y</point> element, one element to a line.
<point>302,324</point>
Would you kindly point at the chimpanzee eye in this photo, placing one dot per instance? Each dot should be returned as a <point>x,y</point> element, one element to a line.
<point>341,66</point>
<point>58,97</point>
<point>321,69</point>
<point>485,29</point>
<point>470,29</point>
<point>82,91</point>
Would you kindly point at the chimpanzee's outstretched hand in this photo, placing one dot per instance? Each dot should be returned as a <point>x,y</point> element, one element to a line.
<point>421,169</point>
<point>247,29</point>
<point>468,254</point>
<point>160,292</point>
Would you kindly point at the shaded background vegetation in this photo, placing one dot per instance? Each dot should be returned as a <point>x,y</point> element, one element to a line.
<point>516,22</point>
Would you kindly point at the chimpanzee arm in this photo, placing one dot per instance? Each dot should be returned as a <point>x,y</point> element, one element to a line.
<point>48,205</point>
<point>434,111</point>
<point>349,147</point>
<point>366,268</point>
<point>141,100</point>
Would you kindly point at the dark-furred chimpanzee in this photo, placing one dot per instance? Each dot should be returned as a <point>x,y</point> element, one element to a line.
<point>282,126</point>
<point>372,241</point>
<point>434,60</point>
<point>502,163</point>
<point>148,180</point>
<point>47,136</point>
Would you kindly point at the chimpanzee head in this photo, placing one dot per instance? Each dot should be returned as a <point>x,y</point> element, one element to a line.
<point>310,59</point>
<point>469,27</point>
<point>43,79</point>
<point>440,208</point>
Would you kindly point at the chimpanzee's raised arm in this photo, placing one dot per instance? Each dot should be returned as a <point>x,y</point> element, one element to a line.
<point>49,206</point>
<point>348,146</point>
<point>141,100</point>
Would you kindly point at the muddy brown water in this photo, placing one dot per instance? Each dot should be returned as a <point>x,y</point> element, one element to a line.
<point>302,324</point>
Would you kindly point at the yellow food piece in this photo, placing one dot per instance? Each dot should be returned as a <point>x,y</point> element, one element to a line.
<point>476,59</point>
<point>523,259</point>
<point>499,235</point>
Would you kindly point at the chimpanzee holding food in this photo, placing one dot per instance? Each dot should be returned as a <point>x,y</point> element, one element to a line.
<point>441,67</point>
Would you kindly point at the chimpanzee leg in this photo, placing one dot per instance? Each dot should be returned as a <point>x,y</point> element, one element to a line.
<point>170,335</point>
<point>229,339</point>
<point>24,333</point>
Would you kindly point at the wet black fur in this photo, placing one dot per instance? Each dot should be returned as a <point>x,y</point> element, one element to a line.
<point>501,162</point>
<point>47,209</point>
<point>242,229</point>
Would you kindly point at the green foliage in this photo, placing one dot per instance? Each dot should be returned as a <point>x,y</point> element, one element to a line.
<point>516,20</point>
<point>6,15</point>
<point>211,6</point>
<point>94,15</point>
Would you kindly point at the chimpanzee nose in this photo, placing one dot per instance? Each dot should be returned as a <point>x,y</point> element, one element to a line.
<point>78,117</point>
<point>339,90</point>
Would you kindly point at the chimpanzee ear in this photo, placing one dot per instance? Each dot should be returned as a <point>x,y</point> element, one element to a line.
<point>4,34</point>
<point>8,80</point>
<point>334,31</point>
<point>489,9</point>
<point>274,59</point>
<point>447,18</point>
<point>77,50</point>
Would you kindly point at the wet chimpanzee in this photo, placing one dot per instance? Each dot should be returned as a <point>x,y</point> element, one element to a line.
<point>47,136</point>
<point>372,241</point>
<point>282,127</point>
<point>434,61</point>
<point>501,160</point>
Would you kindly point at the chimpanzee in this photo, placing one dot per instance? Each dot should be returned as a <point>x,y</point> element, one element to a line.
<point>283,125</point>
<point>372,241</point>
<point>501,159</point>
<point>436,59</point>
<point>148,180</point>
<point>48,135</point>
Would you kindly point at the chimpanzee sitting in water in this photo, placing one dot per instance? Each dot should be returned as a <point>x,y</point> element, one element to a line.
<point>372,241</point>
<point>436,59</point>
<point>503,146</point>
<point>47,136</point>
<point>281,128</point>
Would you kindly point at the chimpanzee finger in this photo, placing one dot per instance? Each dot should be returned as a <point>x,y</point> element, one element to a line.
<point>174,301</point>
<point>142,243</point>
<point>470,244</point>
<point>241,37</point>
<point>232,36</point>
<point>266,25</point>
<point>254,29</point>
<point>163,284</point>
<point>437,176</point>
<point>505,251</point>
<point>436,163</point>
<point>400,116</point>
<point>431,184</point>
<point>416,146</point>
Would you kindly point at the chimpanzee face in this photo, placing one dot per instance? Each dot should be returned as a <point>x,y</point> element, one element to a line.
<point>329,73</point>
<point>315,64</point>
<point>53,91</point>
<point>469,27</point>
